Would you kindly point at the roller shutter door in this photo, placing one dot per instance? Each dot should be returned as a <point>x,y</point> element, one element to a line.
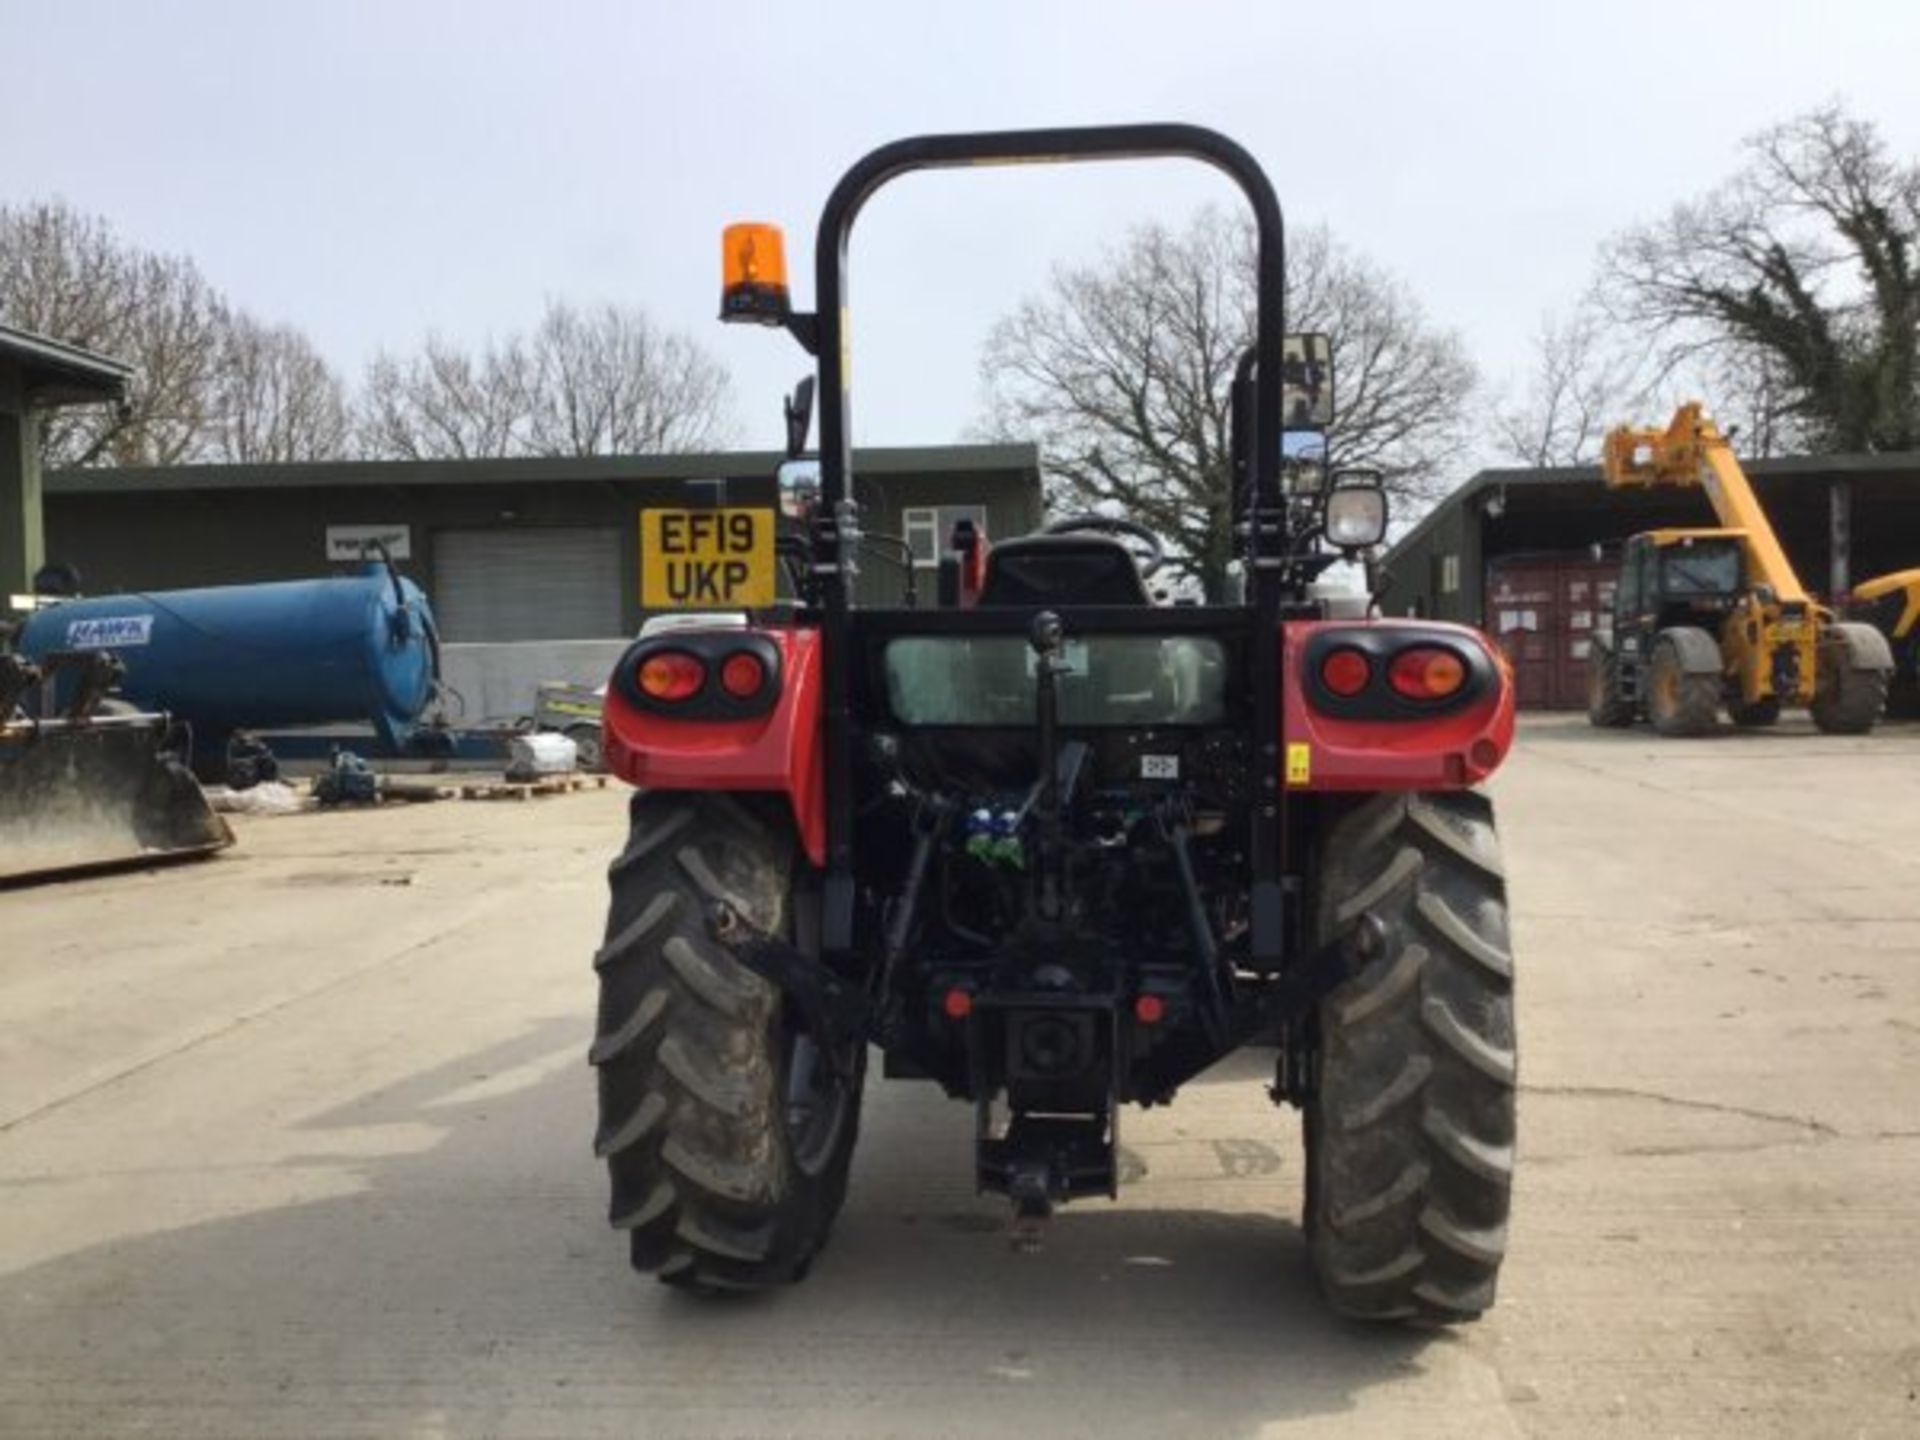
<point>531,584</point>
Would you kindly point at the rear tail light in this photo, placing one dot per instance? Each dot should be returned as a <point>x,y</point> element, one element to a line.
<point>1426,672</point>
<point>743,675</point>
<point>672,675</point>
<point>1346,672</point>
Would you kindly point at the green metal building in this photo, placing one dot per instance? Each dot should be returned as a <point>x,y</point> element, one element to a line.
<point>509,550</point>
<point>38,374</point>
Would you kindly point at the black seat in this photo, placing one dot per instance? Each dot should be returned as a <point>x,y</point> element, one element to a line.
<point>1062,570</point>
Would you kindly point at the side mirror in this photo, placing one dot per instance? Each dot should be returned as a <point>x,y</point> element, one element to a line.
<point>1306,382</point>
<point>799,485</point>
<point>799,412</point>
<point>1356,515</point>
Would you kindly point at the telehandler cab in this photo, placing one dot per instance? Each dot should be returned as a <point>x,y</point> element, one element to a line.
<point>1052,847</point>
<point>1713,617</point>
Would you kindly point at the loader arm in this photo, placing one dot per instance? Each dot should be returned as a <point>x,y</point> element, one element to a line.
<point>1692,451</point>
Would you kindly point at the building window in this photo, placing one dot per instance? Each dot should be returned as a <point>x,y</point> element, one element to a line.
<point>1449,574</point>
<point>929,528</point>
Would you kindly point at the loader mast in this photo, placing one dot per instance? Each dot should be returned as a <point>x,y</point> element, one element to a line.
<point>1692,451</point>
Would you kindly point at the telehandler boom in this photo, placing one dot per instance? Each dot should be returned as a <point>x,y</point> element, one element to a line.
<point>1706,617</point>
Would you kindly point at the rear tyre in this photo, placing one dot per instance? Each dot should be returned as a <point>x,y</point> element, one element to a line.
<point>726,1129</point>
<point>1605,706</point>
<point>1849,697</point>
<point>1679,702</point>
<point>1410,1136</point>
<point>1756,714</point>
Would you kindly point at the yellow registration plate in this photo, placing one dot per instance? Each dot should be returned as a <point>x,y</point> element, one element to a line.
<point>706,559</point>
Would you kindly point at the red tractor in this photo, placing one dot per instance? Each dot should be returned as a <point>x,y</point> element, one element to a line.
<point>1051,846</point>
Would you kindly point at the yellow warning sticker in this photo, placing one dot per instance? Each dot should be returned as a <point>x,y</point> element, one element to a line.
<point>1299,762</point>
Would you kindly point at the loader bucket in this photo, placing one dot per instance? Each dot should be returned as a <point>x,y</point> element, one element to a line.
<point>97,794</point>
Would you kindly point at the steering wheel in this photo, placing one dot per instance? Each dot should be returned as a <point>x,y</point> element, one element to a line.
<point>1149,560</point>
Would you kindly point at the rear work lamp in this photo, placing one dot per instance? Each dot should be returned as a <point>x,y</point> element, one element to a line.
<point>753,270</point>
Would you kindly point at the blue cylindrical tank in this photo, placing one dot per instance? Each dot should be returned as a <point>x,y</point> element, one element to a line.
<point>244,657</point>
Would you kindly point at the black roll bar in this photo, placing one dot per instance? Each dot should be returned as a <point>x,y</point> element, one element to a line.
<point>836,526</point>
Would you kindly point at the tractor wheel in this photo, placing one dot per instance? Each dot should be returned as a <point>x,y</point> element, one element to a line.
<point>1410,1136</point>
<point>1757,714</point>
<point>1848,697</point>
<point>1680,703</point>
<point>726,1129</point>
<point>1605,706</point>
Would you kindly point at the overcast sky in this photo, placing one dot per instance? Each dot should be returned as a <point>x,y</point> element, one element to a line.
<point>371,171</point>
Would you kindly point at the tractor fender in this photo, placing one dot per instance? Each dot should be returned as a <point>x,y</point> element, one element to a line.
<point>1699,652</point>
<point>776,752</point>
<point>1858,646</point>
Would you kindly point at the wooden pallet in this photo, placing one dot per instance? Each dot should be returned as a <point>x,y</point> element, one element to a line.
<point>528,789</point>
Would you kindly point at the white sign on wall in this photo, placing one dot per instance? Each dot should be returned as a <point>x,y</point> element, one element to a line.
<point>362,542</point>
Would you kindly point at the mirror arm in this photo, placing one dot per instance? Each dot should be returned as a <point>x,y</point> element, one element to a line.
<point>806,329</point>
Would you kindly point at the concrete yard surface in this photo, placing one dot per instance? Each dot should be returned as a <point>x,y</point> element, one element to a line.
<point>295,1142</point>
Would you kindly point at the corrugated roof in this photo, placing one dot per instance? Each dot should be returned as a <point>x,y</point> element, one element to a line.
<point>337,474</point>
<point>57,373</point>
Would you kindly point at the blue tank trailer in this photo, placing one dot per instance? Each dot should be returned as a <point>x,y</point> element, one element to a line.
<point>359,649</point>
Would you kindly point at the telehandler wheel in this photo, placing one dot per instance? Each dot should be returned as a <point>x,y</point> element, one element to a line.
<point>1410,1137</point>
<point>1756,714</point>
<point>726,1129</point>
<point>1849,696</point>
<point>1679,702</point>
<point>1606,707</point>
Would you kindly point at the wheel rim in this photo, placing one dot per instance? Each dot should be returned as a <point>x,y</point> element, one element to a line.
<point>817,1103</point>
<point>1666,686</point>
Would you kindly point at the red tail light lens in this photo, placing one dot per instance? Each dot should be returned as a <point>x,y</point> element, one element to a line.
<point>743,675</point>
<point>1427,672</point>
<point>1346,672</point>
<point>671,675</point>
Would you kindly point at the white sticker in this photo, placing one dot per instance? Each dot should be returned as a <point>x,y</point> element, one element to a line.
<point>1159,767</point>
<point>109,631</point>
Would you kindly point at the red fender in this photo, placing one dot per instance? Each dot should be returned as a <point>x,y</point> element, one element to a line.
<point>778,751</point>
<point>1449,750</point>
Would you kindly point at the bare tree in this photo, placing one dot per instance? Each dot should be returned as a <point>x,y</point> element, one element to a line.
<point>1122,371</point>
<point>444,404</point>
<point>598,382</point>
<point>1795,285</point>
<point>1580,388</point>
<point>608,381</point>
<point>67,275</point>
<point>274,398</point>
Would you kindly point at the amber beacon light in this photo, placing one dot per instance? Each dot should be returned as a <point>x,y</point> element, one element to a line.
<point>753,267</point>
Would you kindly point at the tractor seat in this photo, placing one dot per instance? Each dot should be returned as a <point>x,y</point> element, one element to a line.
<point>1062,570</point>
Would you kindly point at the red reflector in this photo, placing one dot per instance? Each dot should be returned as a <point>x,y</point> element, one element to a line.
<point>1426,672</point>
<point>1149,1009</point>
<point>742,675</point>
<point>1346,672</point>
<point>957,1003</point>
<point>671,675</point>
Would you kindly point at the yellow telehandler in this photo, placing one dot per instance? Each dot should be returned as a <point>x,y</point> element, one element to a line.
<point>1705,618</point>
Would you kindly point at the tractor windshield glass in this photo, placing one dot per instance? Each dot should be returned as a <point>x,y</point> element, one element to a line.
<point>1111,680</point>
<point>1701,569</point>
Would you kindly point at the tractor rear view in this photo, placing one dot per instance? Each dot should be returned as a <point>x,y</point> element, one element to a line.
<point>1706,619</point>
<point>1051,846</point>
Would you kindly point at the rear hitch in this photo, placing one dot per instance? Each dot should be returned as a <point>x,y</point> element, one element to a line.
<point>837,1014</point>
